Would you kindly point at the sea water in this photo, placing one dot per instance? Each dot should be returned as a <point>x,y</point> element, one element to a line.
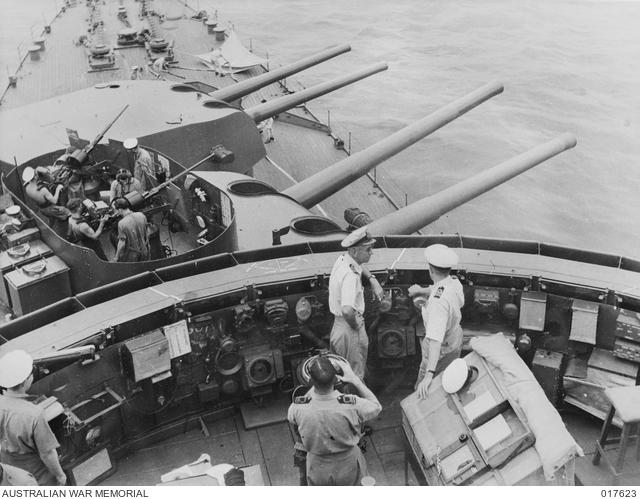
<point>566,66</point>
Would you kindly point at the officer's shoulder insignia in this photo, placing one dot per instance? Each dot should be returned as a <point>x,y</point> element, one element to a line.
<point>351,266</point>
<point>439,292</point>
<point>302,400</point>
<point>347,399</point>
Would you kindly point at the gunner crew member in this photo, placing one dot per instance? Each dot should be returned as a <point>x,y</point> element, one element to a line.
<point>47,203</point>
<point>143,169</point>
<point>26,440</point>
<point>133,236</point>
<point>265,127</point>
<point>441,314</point>
<point>123,185</point>
<point>75,187</point>
<point>329,425</point>
<point>346,300</point>
<point>80,232</point>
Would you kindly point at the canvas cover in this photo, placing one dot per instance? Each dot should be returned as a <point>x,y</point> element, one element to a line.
<point>554,443</point>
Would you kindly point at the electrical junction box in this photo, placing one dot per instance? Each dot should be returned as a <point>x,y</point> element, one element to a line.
<point>533,311</point>
<point>147,356</point>
<point>584,321</point>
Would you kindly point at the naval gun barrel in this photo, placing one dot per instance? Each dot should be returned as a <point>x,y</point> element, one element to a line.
<point>79,156</point>
<point>323,184</point>
<point>243,88</point>
<point>415,216</point>
<point>281,104</point>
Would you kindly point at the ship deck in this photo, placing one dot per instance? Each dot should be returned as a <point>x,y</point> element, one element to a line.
<point>297,151</point>
<point>271,447</point>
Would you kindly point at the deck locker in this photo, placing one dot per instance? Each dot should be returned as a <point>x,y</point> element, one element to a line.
<point>38,284</point>
<point>16,257</point>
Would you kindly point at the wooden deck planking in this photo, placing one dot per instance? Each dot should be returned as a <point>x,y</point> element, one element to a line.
<point>394,465</point>
<point>374,464</point>
<point>249,443</point>
<point>144,467</point>
<point>64,67</point>
<point>388,440</point>
<point>277,448</point>
<point>302,152</point>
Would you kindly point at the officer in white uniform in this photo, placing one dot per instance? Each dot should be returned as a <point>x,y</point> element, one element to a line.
<point>329,424</point>
<point>441,315</point>
<point>143,167</point>
<point>346,300</point>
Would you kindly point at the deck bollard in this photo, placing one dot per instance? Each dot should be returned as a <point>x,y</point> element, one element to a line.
<point>34,52</point>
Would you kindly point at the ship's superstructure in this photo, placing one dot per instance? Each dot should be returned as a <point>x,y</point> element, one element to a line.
<point>215,330</point>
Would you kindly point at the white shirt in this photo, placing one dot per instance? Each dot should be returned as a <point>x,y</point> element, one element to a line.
<point>442,313</point>
<point>345,286</point>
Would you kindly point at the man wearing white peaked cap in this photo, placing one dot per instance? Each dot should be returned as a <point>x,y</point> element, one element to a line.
<point>441,315</point>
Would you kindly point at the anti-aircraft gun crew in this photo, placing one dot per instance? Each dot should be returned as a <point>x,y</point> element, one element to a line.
<point>80,232</point>
<point>47,202</point>
<point>123,185</point>
<point>144,170</point>
<point>133,236</point>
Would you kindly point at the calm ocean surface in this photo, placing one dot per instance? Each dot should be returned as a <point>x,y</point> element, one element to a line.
<point>566,66</point>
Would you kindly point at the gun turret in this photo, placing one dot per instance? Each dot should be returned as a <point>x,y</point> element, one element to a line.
<point>243,88</point>
<point>275,106</point>
<point>415,216</point>
<point>79,156</point>
<point>323,184</point>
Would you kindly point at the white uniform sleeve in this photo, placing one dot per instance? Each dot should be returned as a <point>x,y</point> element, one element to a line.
<point>349,291</point>
<point>435,316</point>
<point>291,414</point>
<point>367,409</point>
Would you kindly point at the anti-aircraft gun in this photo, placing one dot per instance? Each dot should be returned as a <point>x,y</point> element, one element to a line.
<point>145,202</point>
<point>75,163</point>
<point>78,157</point>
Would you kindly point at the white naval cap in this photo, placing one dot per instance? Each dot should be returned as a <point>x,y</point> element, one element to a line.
<point>440,256</point>
<point>15,367</point>
<point>359,237</point>
<point>455,376</point>
<point>130,143</point>
<point>27,175</point>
